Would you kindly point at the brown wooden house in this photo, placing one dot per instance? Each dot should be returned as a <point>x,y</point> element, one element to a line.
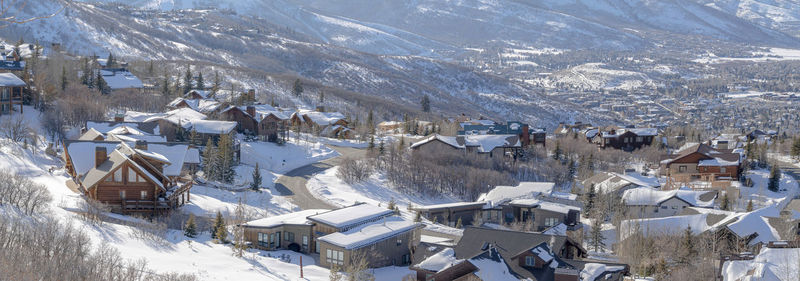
<point>11,93</point>
<point>702,163</point>
<point>262,120</point>
<point>127,179</point>
<point>627,139</point>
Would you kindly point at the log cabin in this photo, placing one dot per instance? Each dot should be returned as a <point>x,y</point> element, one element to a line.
<point>129,179</point>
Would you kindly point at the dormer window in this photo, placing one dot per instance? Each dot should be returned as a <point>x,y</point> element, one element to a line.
<point>530,261</point>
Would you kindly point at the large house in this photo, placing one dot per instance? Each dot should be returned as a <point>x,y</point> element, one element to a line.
<point>205,106</point>
<point>141,178</point>
<point>262,120</point>
<point>484,145</point>
<point>361,230</point>
<point>627,139</point>
<point>485,127</point>
<point>332,124</point>
<point>646,202</point>
<point>491,254</point>
<point>120,79</point>
<point>701,166</point>
<point>11,93</point>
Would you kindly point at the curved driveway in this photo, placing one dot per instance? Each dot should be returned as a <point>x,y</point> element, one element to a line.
<point>293,183</point>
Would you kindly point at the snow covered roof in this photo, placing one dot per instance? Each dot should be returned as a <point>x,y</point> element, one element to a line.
<point>371,233</point>
<point>135,116</point>
<point>322,118</point>
<point>756,222</point>
<point>113,162</point>
<point>10,80</point>
<point>213,126</point>
<point>442,260</point>
<point>544,205</point>
<point>174,153</point>
<point>643,131</point>
<point>491,266</point>
<point>717,162</point>
<point>769,264</point>
<point>446,139</point>
<point>91,134</point>
<point>180,116</point>
<point>487,143</point>
<point>203,94</point>
<point>296,218</point>
<point>644,196</point>
<point>525,190</point>
<point>121,80</point>
<point>264,110</point>
<point>192,156</point>
<point>592,271</point>
<point>201,105</point>
<point>351,216</point>
<point>448,205</point>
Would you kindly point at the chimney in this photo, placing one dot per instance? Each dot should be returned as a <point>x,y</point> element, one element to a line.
<point>119,117</point>
<point>99,155</point>
<point>141,145</point>
<point>251,110</point>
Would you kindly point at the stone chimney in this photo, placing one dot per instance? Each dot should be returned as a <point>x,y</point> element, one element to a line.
<point>100,155</point>
<point>251,110</point>
<point>119,117</point>
<point>141,145</point>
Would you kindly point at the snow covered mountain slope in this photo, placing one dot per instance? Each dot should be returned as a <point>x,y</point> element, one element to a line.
<point>783,15</point>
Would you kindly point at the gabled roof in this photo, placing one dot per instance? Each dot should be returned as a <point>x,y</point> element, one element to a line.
<point>174,155</point>
<point>213,126</point>
<point>322,118</point>
<point>204,94</point>
<point>451,141</point>
<point>180,116</point>
<point>91,134</point>
<point>645,196</point>
<point>115,160</point>
<point>121,80</point>
<point>524,190</point>
<point>722,156</point>
<point>106,126</point>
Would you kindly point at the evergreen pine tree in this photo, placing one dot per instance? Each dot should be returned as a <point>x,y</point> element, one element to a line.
<point>200,83</point>
<point>370,122</point>
<point>459,224</point>
<point>571,170</point>
<point>194,138</point>
<point>150,69</point>
<point>557,151</point>
<point>218,230</point>
<point>588,200</point>
<point>100,83</point>
<point>187,80</point>
<point>297,88</point>
<point>210,160</point>
<point>321,97</point>
<point>750,205</point>
<point>392,204</point>
<point>381,148</point>
<point>371,146</point>
<point>165,90</point>
<point>63,78</point>
<point>225,158</point>
<point>110,62</point>
<point>774,179</point>
<point>217,83</point>
<point>256,184</point>
<point>418,216</point>
<point>426,104</point>
<point>190,229</point>
<point>596,239</point>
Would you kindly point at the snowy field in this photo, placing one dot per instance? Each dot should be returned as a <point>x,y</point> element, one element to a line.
<point>375,190</point>
<point>774,54</point>
<point>761,195</point>
<point>283,158</point>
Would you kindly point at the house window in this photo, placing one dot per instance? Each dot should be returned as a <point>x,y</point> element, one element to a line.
<point>550,221</point>
<point>682,168</point>
<point>664,207</point>
<point>399,242</point>
<point>278,239</point>
<point>723,170</point>
<point>305,241</point>
<point>530,261</point>
<point>118,175</point>
<point>144,194</point>
<point>139,178</point>
<point>131,175</point>
<point>334,257</point>
<point>639,139</point>
<point>289,236</point>
<point>122,194</point>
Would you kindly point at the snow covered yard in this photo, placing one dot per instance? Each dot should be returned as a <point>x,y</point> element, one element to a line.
<point>206,201</point>
<point>375,190</point>
<point>280,159</point>
<point>760,194</point>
